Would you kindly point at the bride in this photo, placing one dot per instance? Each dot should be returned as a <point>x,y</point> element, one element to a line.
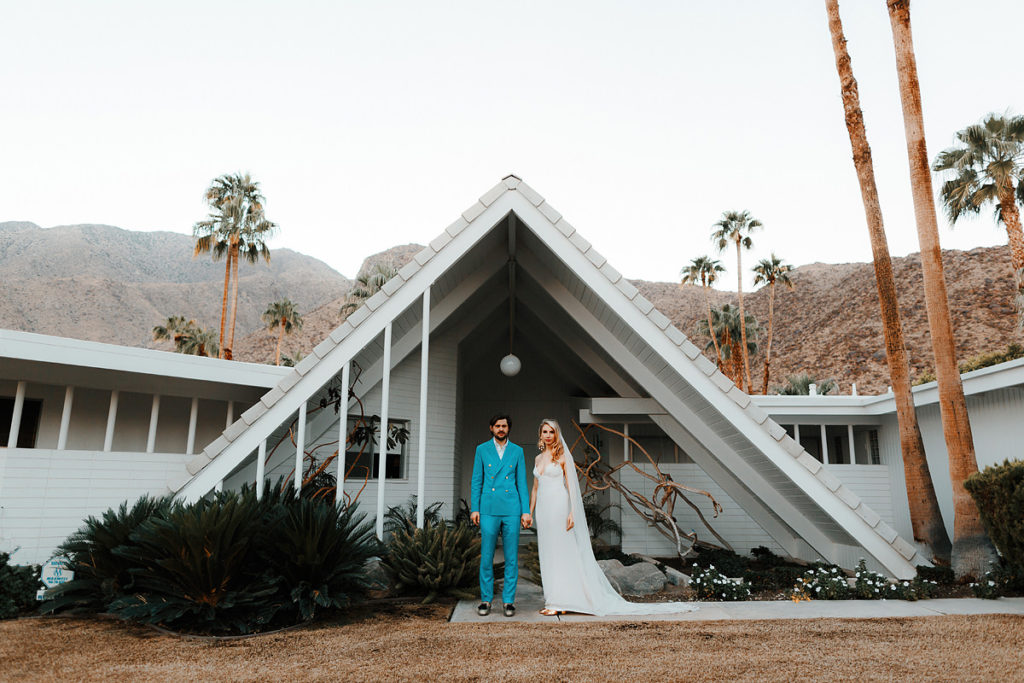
<point>573,581</point>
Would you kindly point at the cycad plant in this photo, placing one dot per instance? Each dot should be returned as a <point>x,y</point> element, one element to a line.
<point>403,517</point>
<point>318,551</point>
<point>95,554</point>
<point>197,568</point>
<point>436,559</point>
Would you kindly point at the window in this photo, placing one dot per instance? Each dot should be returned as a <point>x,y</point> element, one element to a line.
<point>358,463</point>
<point>29,429</point>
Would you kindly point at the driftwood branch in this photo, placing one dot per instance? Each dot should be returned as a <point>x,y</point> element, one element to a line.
<point>657,510</point>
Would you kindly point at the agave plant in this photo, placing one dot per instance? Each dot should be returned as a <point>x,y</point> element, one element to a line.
<point>437,558</point>
<point>95,554</point>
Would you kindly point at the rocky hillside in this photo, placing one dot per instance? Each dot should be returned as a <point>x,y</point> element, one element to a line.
<point>103,283</point>
<point>107,284</point>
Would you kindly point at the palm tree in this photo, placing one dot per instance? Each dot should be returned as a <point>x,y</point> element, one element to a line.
<point>800,385</point>
<point>972,549</point>
<point>236,225</point>
<point>368,283</point>
<point>736,227</point>
<point>988,167</point>
<point>725,326</point>
<point>704,270</point>
<point>771,270</point>
<point>187,336</point>
<point>925,517</point>
<point>284,317</point>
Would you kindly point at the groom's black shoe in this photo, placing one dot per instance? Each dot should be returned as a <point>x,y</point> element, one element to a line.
<point>483,609</point>
<point>510,609</point>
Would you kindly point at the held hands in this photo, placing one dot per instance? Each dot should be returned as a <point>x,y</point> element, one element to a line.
<point>474,517</point>
<point>527,521</point>
<point>569,524</point>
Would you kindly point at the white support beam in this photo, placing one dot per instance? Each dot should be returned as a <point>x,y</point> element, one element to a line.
<point>300,446</point>
<point>824,446</point>
<point>625,406</point>
<point>849,440</point>
<point>108,437</point>
<point>229,418</point>
<point>65,418</point>
<point>339,493</point>
<point>385,396</point>
<point>19,407</point>
<point>627,451</point>
<point>193,420</point>
<point>796,432</point>
<point>154,418</point>
<point>261,468</point>
<point>422,426</point>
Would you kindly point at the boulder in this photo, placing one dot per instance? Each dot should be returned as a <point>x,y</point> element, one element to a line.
<point>641,578</point>
<point>676,577</point>
<point>378,577</point>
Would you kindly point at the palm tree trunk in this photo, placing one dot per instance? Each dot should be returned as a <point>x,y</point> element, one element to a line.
<point>768,352</point>
<point>748,385</point>
<point>711,327</point>
<point>925,517</point>
<point>972,549</point>
<point>234,299</point>
<point>224,303</point>
<point>1011,219</point>
<point>280,335</point>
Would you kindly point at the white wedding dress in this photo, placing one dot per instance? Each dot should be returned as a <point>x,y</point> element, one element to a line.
<point>573,581</point>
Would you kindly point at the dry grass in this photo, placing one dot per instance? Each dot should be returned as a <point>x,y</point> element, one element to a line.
<point>408,642</point>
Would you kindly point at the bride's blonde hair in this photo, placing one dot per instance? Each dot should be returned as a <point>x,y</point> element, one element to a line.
<point>556,446</point>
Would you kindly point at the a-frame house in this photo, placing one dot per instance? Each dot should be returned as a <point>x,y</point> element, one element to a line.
<point>426,349</point>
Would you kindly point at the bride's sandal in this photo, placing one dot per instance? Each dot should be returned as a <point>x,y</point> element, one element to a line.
<point>550,612</point>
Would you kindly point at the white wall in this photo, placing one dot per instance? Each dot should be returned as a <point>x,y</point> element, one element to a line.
<point>45,494</point>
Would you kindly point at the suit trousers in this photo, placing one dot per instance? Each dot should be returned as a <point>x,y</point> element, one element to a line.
<point>490,526</point>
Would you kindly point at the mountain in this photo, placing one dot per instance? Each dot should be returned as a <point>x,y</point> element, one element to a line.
<point>103,283</point>
<point>107,284</point>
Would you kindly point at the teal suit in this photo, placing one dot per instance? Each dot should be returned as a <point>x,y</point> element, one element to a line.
<point>498,492</point>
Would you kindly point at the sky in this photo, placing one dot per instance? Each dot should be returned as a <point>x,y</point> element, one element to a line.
<point>372,124</point>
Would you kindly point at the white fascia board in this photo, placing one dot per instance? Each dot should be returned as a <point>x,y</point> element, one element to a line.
<point>847,518</point>
<point>44,348</point>
<point>364,333</point>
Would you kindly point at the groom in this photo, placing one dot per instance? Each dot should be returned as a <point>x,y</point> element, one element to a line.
<point>499,502</point>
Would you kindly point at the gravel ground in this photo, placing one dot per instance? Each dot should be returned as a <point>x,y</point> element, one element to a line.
<point>412,642</point>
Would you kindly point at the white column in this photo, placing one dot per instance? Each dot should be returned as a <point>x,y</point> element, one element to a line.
<point>19,407</point>
<point>154,417</point>
<point>849,439</point>
<point>229,420</point>
<point>300,446</point>
<point>422,455</point>
<point>339,493</point>
<point>824,446</point>
<point>193,418</point>
<point>65,418</point>
<point>625,442</point>
<point>261,468</point>
<point>385,390</point>
<point>796,432</point>
<point>108,438</point>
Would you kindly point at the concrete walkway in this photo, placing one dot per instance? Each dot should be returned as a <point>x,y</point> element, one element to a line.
<point>530,599</point>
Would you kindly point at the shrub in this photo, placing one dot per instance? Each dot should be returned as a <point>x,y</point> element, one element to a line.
<point>710,584</point>
<point>727,562</point>
<point>318,551</point>
<point>984,360</point>
<point>999,493</point>
<point>874,586</point>
<point>772,579</point>
<point>437,558</point>
<point>197,568</point>
<point>940,575</point>
<point>18,586</point>
<point>403,517</point>
<point>999,581</point>
<point>822,584</point>
<point>95,554</point>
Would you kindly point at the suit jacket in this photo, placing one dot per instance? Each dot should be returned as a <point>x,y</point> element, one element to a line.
<point>499,484</point>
